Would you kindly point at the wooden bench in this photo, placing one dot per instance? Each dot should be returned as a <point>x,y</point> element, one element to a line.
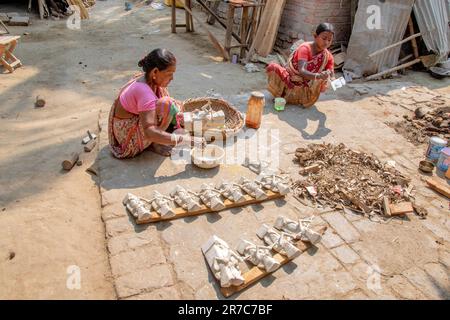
<point>7,58</point>
<point>248,25</point>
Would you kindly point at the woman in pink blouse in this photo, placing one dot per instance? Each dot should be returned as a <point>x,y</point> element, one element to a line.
<point>143,112</point>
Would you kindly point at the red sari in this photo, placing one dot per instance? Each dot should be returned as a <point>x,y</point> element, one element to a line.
<point>287,82</point>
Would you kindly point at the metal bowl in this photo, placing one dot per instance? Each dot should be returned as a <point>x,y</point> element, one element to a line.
<point>426,166</point>
<point>210,157</point>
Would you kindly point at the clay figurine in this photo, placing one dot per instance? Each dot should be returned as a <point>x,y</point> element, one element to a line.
<point>205,118</point>
<point>231,191</point>
<point>260,256</point>
<point>162,205</point>
<point>274,183</point>
<point>252,189</point>
<point>185,199</point>
<point>300,230</point>
<point>223,261</point>
<point>211,197</point>
<point>279,242</point>
<point>136,206</point>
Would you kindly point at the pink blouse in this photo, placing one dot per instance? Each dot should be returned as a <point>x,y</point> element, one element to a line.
<point>138,97</point>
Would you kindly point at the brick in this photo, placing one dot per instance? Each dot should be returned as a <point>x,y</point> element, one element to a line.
<point>401,208</point>
<point>346,255</point>
<point>134,260</point>
<point>146,279</point>
<point>342,226</point>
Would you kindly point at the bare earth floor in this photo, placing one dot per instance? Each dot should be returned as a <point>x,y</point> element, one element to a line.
<point>53,220</point>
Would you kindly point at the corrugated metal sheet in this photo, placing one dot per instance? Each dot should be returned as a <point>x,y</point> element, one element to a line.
<point>364,41</point>
<point>432,18</point>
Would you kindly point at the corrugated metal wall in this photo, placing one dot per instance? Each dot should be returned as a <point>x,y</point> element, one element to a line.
<point>433,17</point>
<point>394,16</point>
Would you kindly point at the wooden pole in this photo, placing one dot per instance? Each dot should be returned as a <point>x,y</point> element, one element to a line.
<point>394,45</point>
<point>403,66</point>
<point>212,17</point>
<point>174,17</point>
<point>41,9</point>
<point>413,41</point>
<point>230,22</point>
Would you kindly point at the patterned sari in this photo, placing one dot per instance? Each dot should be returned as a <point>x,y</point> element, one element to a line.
<point>287,82</point>
<point>126,136</point>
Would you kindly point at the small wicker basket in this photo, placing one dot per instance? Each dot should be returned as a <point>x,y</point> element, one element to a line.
<point>234,120</point>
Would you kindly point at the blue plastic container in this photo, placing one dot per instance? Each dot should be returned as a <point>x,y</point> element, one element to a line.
<point>444,160</point>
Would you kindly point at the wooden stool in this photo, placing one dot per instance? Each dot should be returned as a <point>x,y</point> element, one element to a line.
<point>7,46</point>
<point>189,21</point>
<point>247,27</point>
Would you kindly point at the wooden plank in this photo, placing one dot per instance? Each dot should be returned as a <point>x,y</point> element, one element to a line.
<point>255,274</point>
<point>401,208</point>
<point>181,213</point>
<point>439,185</point>
<point>268,28</point>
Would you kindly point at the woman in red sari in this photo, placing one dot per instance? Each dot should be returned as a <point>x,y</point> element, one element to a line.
<point>307,71</point>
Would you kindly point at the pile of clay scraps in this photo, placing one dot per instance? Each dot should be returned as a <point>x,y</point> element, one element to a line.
<point>339,177</point>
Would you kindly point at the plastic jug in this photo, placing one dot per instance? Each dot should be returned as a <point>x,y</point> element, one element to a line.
<point>255,108</point>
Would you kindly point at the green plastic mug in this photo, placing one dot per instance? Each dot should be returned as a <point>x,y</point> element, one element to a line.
<point>279,104</point>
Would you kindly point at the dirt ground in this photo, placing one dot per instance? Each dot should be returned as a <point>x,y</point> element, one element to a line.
<point>52,220</point>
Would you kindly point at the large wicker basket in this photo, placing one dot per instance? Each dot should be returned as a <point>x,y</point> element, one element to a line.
<point>234,120</point>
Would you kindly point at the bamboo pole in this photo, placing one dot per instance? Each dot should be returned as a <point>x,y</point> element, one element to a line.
<point>403,66</point>
<point>394,45</point>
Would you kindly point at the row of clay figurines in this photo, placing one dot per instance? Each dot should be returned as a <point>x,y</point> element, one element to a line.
<point>224,262</point>
<point>141,208</point>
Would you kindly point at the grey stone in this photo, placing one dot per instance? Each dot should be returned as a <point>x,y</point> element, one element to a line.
<point>365,225</point>
<point>404,289</point>
<point>146,279</point>
<point>118,226</point>
<point>331,240</point>
<point>425,283</point>
<point>345,254</point>
<point>134,260</point>
<point>342,226</point>
<point>131,241</point>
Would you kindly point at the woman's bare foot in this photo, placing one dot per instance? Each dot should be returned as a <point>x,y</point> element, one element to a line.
<point>161,149</point>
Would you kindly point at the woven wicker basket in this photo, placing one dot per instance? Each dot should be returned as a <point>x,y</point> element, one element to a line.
<point>234,120</point>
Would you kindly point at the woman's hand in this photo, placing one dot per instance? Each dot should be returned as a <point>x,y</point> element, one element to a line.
<point>323,75</point>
